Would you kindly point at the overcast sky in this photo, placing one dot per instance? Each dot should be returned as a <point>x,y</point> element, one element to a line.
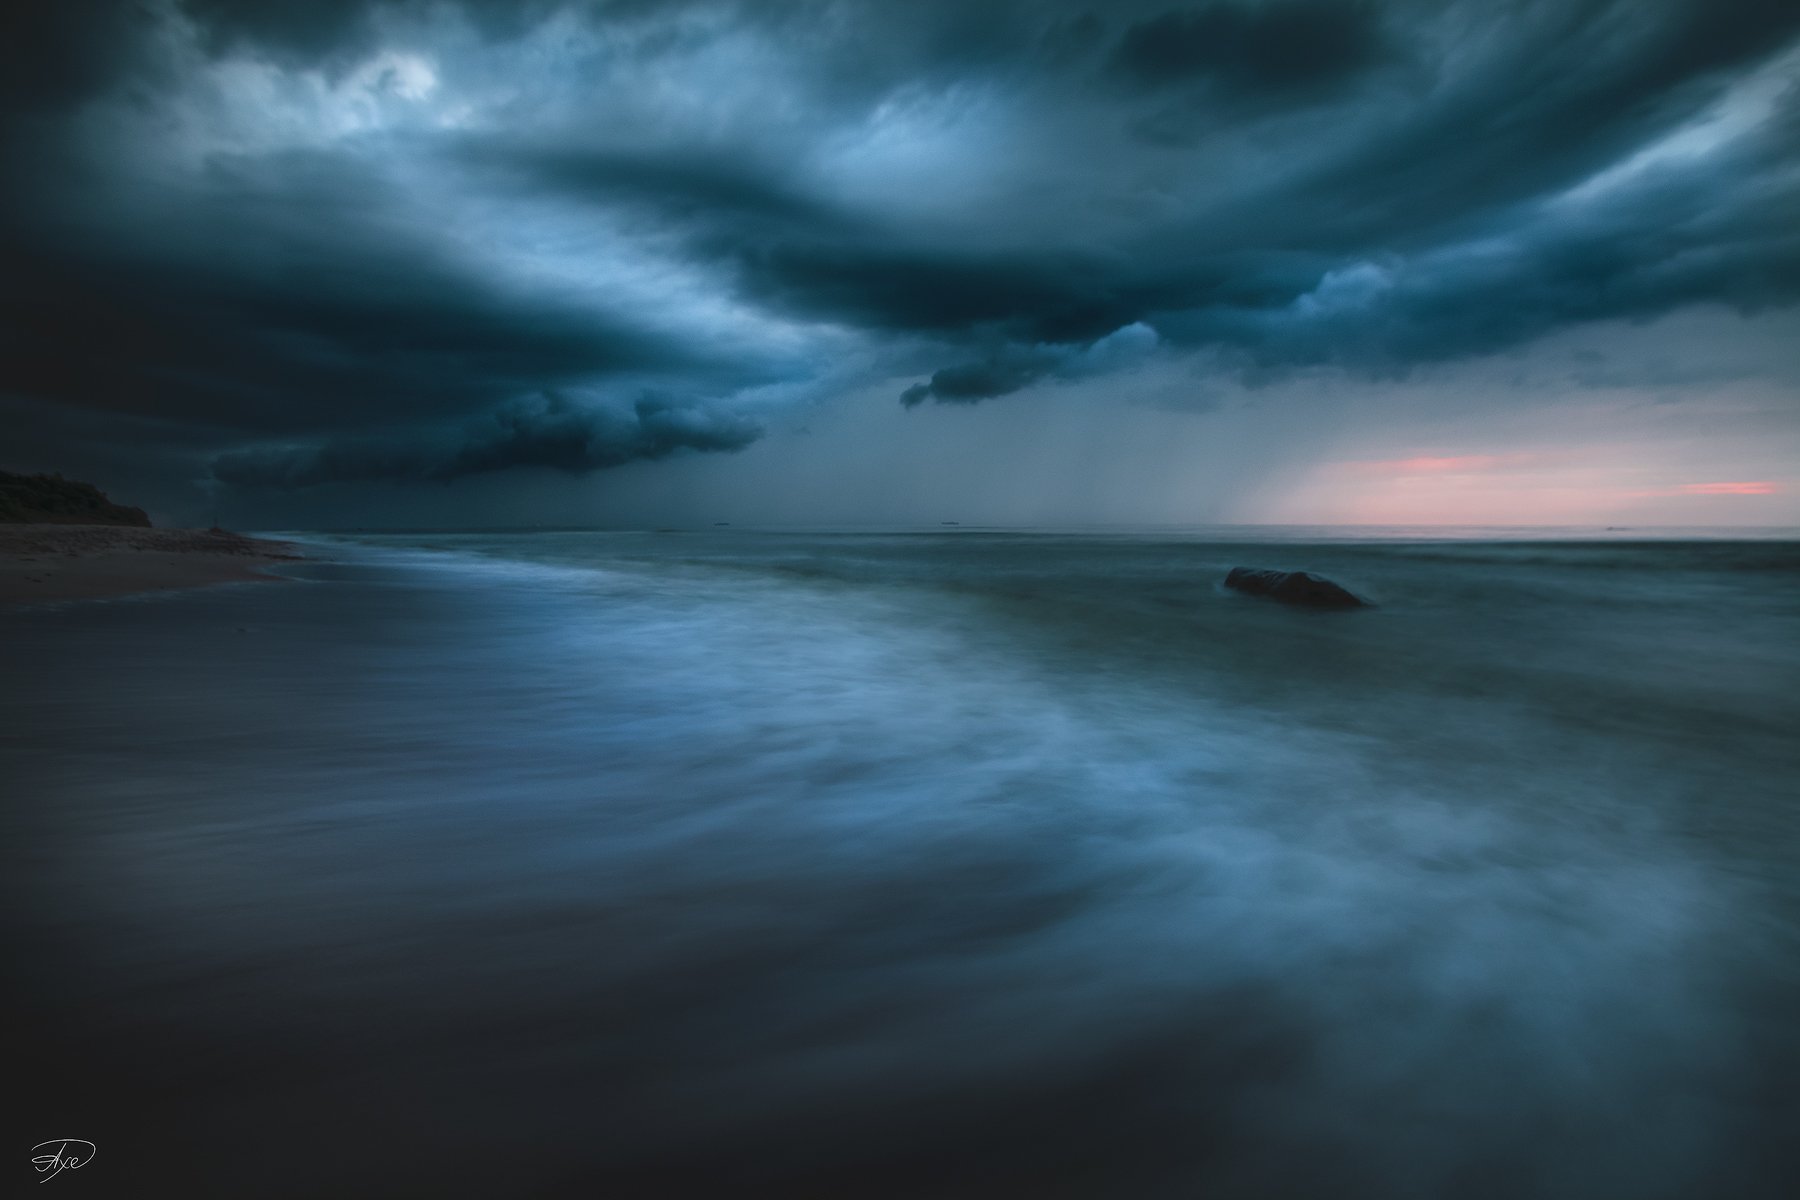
<point>349,262</point>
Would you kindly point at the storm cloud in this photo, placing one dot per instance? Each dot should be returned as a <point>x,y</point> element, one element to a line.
<point>550,431</point>
<point>1012,369</point>
<point>366,239</point>
<point>1267,47</point>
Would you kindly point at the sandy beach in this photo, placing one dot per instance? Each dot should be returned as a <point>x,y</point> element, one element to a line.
<point>47,563</point>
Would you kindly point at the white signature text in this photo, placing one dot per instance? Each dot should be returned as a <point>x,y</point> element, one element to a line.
<point>61,1156</point>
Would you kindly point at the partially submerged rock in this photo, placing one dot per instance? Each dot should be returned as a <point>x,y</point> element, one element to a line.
<point>1292,587</point>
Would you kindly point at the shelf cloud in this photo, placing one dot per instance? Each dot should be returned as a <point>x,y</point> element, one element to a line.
<point>365,239</point>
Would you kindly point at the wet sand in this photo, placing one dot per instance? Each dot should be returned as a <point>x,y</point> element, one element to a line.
<point>884,868</point>
<point>50,563</point>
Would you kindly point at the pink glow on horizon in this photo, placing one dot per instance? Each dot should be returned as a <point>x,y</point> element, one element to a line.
<point>1596,483</point>
<point>1747,488</point>
<point>1425,464</point>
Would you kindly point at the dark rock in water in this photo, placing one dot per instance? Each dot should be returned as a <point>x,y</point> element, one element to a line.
<point>1292,587</point>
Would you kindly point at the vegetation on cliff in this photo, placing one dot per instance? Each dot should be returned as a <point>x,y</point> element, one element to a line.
<point>51,499</point>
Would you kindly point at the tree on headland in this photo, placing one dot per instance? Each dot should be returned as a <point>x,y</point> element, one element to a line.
<point>53,500</point>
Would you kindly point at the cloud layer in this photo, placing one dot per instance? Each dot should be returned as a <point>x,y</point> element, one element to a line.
<point>360,239</point>
<point>551,432</point>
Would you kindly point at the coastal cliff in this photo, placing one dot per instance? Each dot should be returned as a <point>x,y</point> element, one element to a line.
<point>53,500</point>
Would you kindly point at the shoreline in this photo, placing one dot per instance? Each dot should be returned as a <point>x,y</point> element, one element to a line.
<point>53,563</point>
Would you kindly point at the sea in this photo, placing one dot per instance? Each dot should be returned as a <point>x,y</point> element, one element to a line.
<point>938,863</point>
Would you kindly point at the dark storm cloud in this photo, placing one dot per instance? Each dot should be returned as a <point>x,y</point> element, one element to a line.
<point>326,30</point>
<point>1014,368</point>
<point>273,293</point>
<point>314,29</point>
<point>1665,237</point>
<point>801,254</point>
<point>550,431</point>
<point>304,223</point>
<point>56,52</point>
<point>921,290</point>
<point>679,188</point>
<point>287,293</point>
<point>1286,44</point>
<point>1246,276</point>
<point>1575,91</point>
<point>970,382</point>
<point>1565,91</point>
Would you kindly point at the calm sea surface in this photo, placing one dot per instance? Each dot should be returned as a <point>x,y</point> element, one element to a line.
<point>943,864</point>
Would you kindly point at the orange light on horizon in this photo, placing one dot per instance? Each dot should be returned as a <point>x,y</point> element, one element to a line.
<point>1758,487</point>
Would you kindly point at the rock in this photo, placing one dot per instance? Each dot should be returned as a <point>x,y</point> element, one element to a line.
<point>1292,587</point>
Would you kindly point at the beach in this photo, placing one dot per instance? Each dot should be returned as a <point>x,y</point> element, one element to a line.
<point>48,563</point>
<point>918,864</point>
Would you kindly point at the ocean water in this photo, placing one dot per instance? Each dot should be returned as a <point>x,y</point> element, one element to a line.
<point>954,863</point>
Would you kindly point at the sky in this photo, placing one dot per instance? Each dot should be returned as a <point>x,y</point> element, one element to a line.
<point>354,262</point>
